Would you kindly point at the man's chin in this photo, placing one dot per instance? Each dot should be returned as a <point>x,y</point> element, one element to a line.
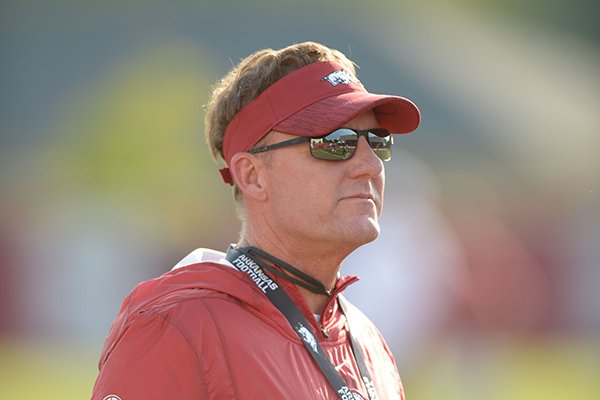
<point>363,232</point>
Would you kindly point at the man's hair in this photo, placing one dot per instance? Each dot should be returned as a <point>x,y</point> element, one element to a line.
<point>252,76</point>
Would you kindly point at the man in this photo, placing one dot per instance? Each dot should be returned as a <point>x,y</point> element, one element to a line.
<point>304,145</point>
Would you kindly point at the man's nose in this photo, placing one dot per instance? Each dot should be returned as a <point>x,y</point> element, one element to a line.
<point>365,160</point>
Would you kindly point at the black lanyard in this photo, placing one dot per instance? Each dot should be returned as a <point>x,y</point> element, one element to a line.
<point>244,261</point>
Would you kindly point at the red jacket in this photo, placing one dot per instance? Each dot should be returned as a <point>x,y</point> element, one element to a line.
<point>205,331</point>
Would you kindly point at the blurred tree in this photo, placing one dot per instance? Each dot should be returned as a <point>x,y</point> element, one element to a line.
<point>137,137</point>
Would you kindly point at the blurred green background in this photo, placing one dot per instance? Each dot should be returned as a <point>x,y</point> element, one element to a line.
<point>486,277</point>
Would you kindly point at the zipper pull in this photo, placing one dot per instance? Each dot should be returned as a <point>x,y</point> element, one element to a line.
<point>323,331</point>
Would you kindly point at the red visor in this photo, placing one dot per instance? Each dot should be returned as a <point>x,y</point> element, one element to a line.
<point>313,101</point>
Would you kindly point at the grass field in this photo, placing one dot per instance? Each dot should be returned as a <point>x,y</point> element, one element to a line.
<point>31,371</point>
<point>545,370</point>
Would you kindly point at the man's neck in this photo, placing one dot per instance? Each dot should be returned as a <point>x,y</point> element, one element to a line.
<point>316,302</point>
<point>323,268</point>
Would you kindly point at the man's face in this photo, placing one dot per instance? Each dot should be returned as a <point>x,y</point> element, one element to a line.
<point>325,203</point>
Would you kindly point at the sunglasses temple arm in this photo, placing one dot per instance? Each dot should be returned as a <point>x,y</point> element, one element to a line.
<point>279,145</point>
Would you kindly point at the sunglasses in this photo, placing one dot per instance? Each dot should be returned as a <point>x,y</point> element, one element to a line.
<point>340,144</point>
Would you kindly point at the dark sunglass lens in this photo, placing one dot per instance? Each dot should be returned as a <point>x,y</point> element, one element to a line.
<point>338,145</point>
<point>381,145</point>
<point>341,144</point>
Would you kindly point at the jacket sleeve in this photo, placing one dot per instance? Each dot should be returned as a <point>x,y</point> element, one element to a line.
<point>152,360</point>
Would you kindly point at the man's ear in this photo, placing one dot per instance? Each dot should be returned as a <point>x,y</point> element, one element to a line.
<point>246,170</point>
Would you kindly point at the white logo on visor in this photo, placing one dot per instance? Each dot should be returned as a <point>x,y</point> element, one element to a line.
<point>339,76</point>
